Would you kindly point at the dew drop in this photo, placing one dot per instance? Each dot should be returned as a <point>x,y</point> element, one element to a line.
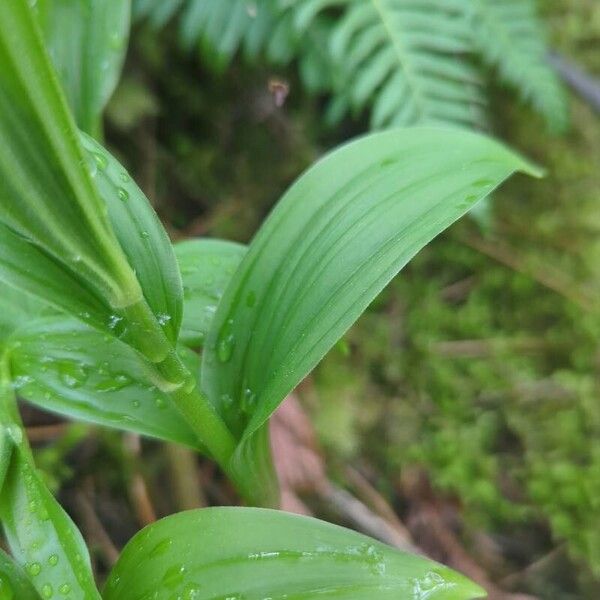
<point>123,194</point>
<point>101,160</point>
<point>53,560</point>
<point>160,403</point>
<point>248,401</point>
<point>92,166</point>
<point>113,384</point>
<point>64,589</point>
<point>191,592</point>
<point>47,590</point>
<point>124,177</point>
<point>136,404</point>
<point>428,585</point>
<point>226,342</point>
<point>163,319</point>
<point>113,321</point>
<point>34,568</point>
<point>73,375</point>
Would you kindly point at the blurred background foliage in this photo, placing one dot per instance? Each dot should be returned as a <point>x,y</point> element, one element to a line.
<point>477,369</point>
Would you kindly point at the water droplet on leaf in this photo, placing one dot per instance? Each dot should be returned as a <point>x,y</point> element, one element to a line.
<point>226,342</point>
<point>101,160</point>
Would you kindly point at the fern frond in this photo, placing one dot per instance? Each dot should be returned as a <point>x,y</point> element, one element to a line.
<point>509,35</point>
<point>222,28</point>
<point>404,59</point>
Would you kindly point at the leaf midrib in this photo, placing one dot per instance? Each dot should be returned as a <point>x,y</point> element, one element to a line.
<point>412,80</point>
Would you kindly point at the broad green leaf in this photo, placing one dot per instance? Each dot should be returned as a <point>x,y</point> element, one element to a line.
<point>14,584</point>
<point>41,536</point>
<point>256,554</point>
<point>64,366</point>
<point>337,237</point>
<point>26,270</point>
<point>334,241</point>
<point>87,41</point>
<point>206,268</point>
<point>46,190</point>
<point>142,237</point>
<point>17,308</point>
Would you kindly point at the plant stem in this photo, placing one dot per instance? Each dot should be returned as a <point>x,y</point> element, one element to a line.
<point>206,423</point>
<point>149,338</point>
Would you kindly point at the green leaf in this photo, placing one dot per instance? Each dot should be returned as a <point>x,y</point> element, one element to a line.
<point>41,536</point>
<point>87,41</point>
<point>334,241</point>
<point>17,308</point>
<point>64,366</point>
<point>46,188</point>
<point>27,271</point>
<point>14,584</point>
<point>142,237</point>
<point>206,268</point>
<point>255,554</point>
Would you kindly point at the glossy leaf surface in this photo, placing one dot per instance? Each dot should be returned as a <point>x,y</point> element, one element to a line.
<point>26,270</point>
<point>87,40</point>
<point>41,536</point>
<point>14,584</point>
<point>256,554</point>
<point>206,269</point>
<point>141,235</point>
<point>17,309</point>
<point>47,194</point>
<point>65,366</point>
<point>337,237</point>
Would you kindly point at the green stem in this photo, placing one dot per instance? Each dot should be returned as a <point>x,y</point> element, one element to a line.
<point>208,425</point>
<point>149,338</point>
